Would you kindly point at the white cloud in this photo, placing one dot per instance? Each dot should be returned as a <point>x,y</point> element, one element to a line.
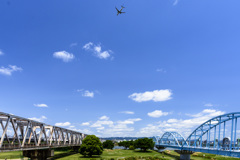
<point>85,131</point>
<point>209,111</point>
<point>97,50</point>
<point>1,52</point>
<point>88,46</point>
<point>104,118</point>
<point>157,113</point>
<point>156,96</point>
<point>127,112</point>
<point>88,94</point>
<point>205,111</point>
<point>71,127</point>
<point>184,126</point>
<point>135,119</point>
<point>64,124</point>
<point>65,56</point>
<point>161,70</point>
<point>40,105</point>
<point>129,121</point>
<point>119,128</point>
<point>100,54</point>
<point>73,44</point>
<point>172,120</point>
<point>101,123</point>
<point>106,128</point>
<point>9,70</point>
<point>175,2</point>
<point>85,124</point>
<point>41,119</point>
<point>208,105</point>
<point>100,128</point>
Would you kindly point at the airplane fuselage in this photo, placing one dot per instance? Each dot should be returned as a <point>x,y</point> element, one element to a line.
<point>119,11</point>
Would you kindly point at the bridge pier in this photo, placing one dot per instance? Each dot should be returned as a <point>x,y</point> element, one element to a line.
<point>41,154</point>
<point>160,149</point>
<point>184,155</point>
<point>75,148</point>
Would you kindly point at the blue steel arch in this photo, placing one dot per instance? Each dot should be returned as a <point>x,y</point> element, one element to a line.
<point>195,139</point>
<point>172,139</point>
<point>156,139</point>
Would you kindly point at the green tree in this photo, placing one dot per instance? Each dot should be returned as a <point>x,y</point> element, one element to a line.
<point>130,143</point>
<point>108,144</point>
<point>122,143</point>
<point>126,144</point>
<point>144,144</point>
<point>91,146</point>
<point>131,147</point>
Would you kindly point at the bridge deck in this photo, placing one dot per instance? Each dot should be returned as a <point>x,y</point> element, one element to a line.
<point>220,151</point>
<point>8,148</point>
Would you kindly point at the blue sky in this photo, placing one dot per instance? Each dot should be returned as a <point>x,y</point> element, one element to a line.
<point>157,68</point>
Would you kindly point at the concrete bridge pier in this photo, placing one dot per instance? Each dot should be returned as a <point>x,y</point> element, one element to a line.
<point>160,149</point>
<point>184,155</point>
<point>41,154</point>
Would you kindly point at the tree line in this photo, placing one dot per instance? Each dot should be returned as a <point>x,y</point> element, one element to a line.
<point>92,145</point>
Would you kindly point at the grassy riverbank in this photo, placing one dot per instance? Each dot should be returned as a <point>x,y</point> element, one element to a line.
<point>122,155</point>
<point>11,155</point>
<point>150,155</point>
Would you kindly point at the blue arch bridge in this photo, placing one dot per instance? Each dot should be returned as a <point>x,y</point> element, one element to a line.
<point>219,135</point>
<point>34,138</point>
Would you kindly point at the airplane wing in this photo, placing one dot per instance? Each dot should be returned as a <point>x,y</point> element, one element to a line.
<point>123,12</point>
<point>117,9</point>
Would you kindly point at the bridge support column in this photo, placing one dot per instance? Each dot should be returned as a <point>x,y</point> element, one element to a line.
<point>41,154</point>
<point>184,155</point>
<point>160,149</point>
<point>75,148</point>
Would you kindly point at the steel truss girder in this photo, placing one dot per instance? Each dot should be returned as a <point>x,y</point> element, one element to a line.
<point>33,134</point>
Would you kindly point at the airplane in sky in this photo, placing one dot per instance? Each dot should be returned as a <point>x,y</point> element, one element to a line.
<point>120,11</point>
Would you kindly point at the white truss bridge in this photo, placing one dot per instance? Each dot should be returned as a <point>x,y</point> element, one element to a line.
<point>18,133</point>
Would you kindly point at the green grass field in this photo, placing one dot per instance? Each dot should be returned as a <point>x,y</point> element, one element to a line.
<point>136,155</point>
<point>11,155</point>
<point>122,155</point>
